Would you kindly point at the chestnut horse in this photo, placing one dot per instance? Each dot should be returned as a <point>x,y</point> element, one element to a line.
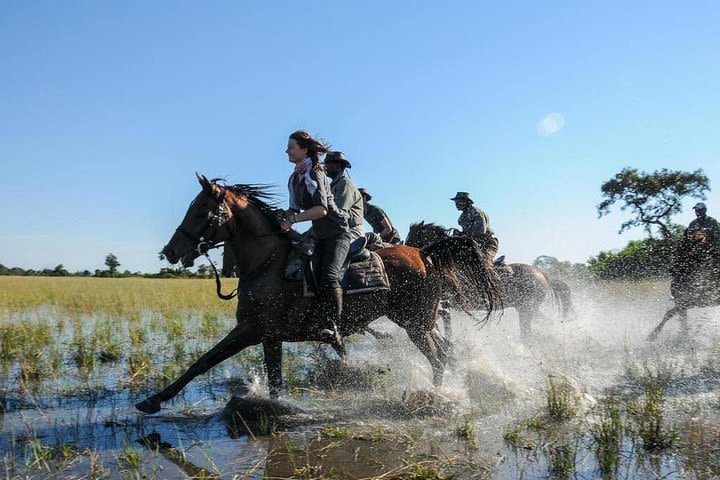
<point>272,309</point>
<point>522,286</point>
<point>694,280</point>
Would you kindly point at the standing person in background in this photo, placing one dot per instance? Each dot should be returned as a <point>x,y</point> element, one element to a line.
<point>378,220</point>
<point>311,199</point>
<point>347,197</point>
<point>475,224</point>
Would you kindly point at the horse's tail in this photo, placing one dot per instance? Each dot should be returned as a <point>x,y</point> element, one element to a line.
<point>563,297</point>
<point>467,274</point>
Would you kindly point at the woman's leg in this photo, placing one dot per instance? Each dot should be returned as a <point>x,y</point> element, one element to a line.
<point>333,252</point>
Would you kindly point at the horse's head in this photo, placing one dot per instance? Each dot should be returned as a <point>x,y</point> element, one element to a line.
<point>422,234</point>
<point>204,223</point>
<point>413,234</point>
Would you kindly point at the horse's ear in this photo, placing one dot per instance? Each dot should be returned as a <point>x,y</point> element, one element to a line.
<point>422,223</point>
<point>204,182</point>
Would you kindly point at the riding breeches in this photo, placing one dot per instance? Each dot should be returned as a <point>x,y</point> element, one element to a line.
<point>332,252</point>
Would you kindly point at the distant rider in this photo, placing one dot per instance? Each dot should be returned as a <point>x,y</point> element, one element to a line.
<point>475,224</point>
<point>378,220</point>
<point>707,225</point>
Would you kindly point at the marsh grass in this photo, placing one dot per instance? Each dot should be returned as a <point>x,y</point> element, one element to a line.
<point>84,352</point>
<point>139,368</point>
<point>562,401</point>
<point>525,433</point>
<point>336,432</point>
<point>607,433</point>
<point>130,458</point>
<point>210,325</point>
<point>40,454</point>
<point>561,460</point>
<point>648,416</point>
<point>466,431</point>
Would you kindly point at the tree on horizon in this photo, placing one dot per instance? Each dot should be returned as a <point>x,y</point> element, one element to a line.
<point>112,262</point>
<point>653,198</point>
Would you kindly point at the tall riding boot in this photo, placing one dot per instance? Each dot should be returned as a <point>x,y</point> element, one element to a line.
<point>332,302</point>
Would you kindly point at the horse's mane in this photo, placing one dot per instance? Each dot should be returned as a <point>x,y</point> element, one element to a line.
<point>259,195</point>
<point>432,226</point>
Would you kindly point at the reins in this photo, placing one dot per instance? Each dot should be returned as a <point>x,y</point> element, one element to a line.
<point>203,249</point>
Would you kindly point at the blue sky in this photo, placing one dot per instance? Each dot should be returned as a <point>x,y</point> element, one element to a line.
<point>108,109</point>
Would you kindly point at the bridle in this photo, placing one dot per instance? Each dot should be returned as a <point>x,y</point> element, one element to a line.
<point>219,217</point>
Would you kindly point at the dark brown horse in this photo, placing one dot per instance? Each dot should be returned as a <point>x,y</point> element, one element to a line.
<point>272,310</point>
<point>694,280</point>
<point>522,286</point>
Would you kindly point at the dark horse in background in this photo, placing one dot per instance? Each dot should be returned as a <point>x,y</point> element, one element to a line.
<point>522,286</point>
<point>694,280</point>
<point>272,309</point>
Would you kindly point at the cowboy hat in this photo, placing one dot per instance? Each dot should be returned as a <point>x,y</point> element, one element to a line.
<point>337,157</point>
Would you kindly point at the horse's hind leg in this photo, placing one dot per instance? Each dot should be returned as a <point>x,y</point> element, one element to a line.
<point>447,320</point>
<point>240,337</point>
<point>668,315</point>
<point>525,315</point>
<point>684,327</point>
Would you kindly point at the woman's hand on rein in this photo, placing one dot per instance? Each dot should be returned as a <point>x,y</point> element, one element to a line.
<point>285,225</point>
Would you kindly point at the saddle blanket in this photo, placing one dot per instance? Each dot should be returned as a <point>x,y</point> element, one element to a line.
<point>366,273</point>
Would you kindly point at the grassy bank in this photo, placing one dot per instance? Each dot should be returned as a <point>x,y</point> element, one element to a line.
<point>126,297</point>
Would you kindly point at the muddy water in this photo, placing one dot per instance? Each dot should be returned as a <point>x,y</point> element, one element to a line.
<point>380,417</point>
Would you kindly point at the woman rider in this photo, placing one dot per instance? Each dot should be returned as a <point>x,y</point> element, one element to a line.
<point>311,199</point>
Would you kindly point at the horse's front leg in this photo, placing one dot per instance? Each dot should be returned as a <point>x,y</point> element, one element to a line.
<point>240,337</point>
<point>272,357</point>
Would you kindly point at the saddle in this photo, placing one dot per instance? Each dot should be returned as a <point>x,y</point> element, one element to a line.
<point>363,272</point>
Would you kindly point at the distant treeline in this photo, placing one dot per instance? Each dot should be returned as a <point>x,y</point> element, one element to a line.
<point>641,259</point>
<point>60,271</point>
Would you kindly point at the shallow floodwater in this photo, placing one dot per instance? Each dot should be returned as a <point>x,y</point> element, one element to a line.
<point>378,416</point>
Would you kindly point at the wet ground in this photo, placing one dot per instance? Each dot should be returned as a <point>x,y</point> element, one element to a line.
<point>379,417</point>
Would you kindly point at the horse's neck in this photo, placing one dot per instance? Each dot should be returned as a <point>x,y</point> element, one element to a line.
<point>255,244</point>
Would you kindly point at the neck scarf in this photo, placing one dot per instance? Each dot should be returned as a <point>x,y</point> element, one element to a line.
<point>301,175</point>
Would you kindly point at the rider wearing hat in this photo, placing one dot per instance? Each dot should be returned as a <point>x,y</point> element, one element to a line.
<point>378,220</point>
<point>347,196</point>
<point>475,224</point>
<point>708,225</point>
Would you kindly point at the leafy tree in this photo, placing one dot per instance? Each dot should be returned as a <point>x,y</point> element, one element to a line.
<point>203,270</point>
<point>60,271</point>
<point>553,266</point>
<point>653,198</point>
<point>112,263</point>
<point>648,258</point>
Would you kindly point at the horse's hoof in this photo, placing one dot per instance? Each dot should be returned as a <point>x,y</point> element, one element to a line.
<point>149,405</point>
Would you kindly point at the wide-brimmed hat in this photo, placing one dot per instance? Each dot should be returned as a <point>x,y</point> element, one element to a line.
<point>365,194</point>
<point>700,206</point>
<point>460,196</point>
<point>337,157</point>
